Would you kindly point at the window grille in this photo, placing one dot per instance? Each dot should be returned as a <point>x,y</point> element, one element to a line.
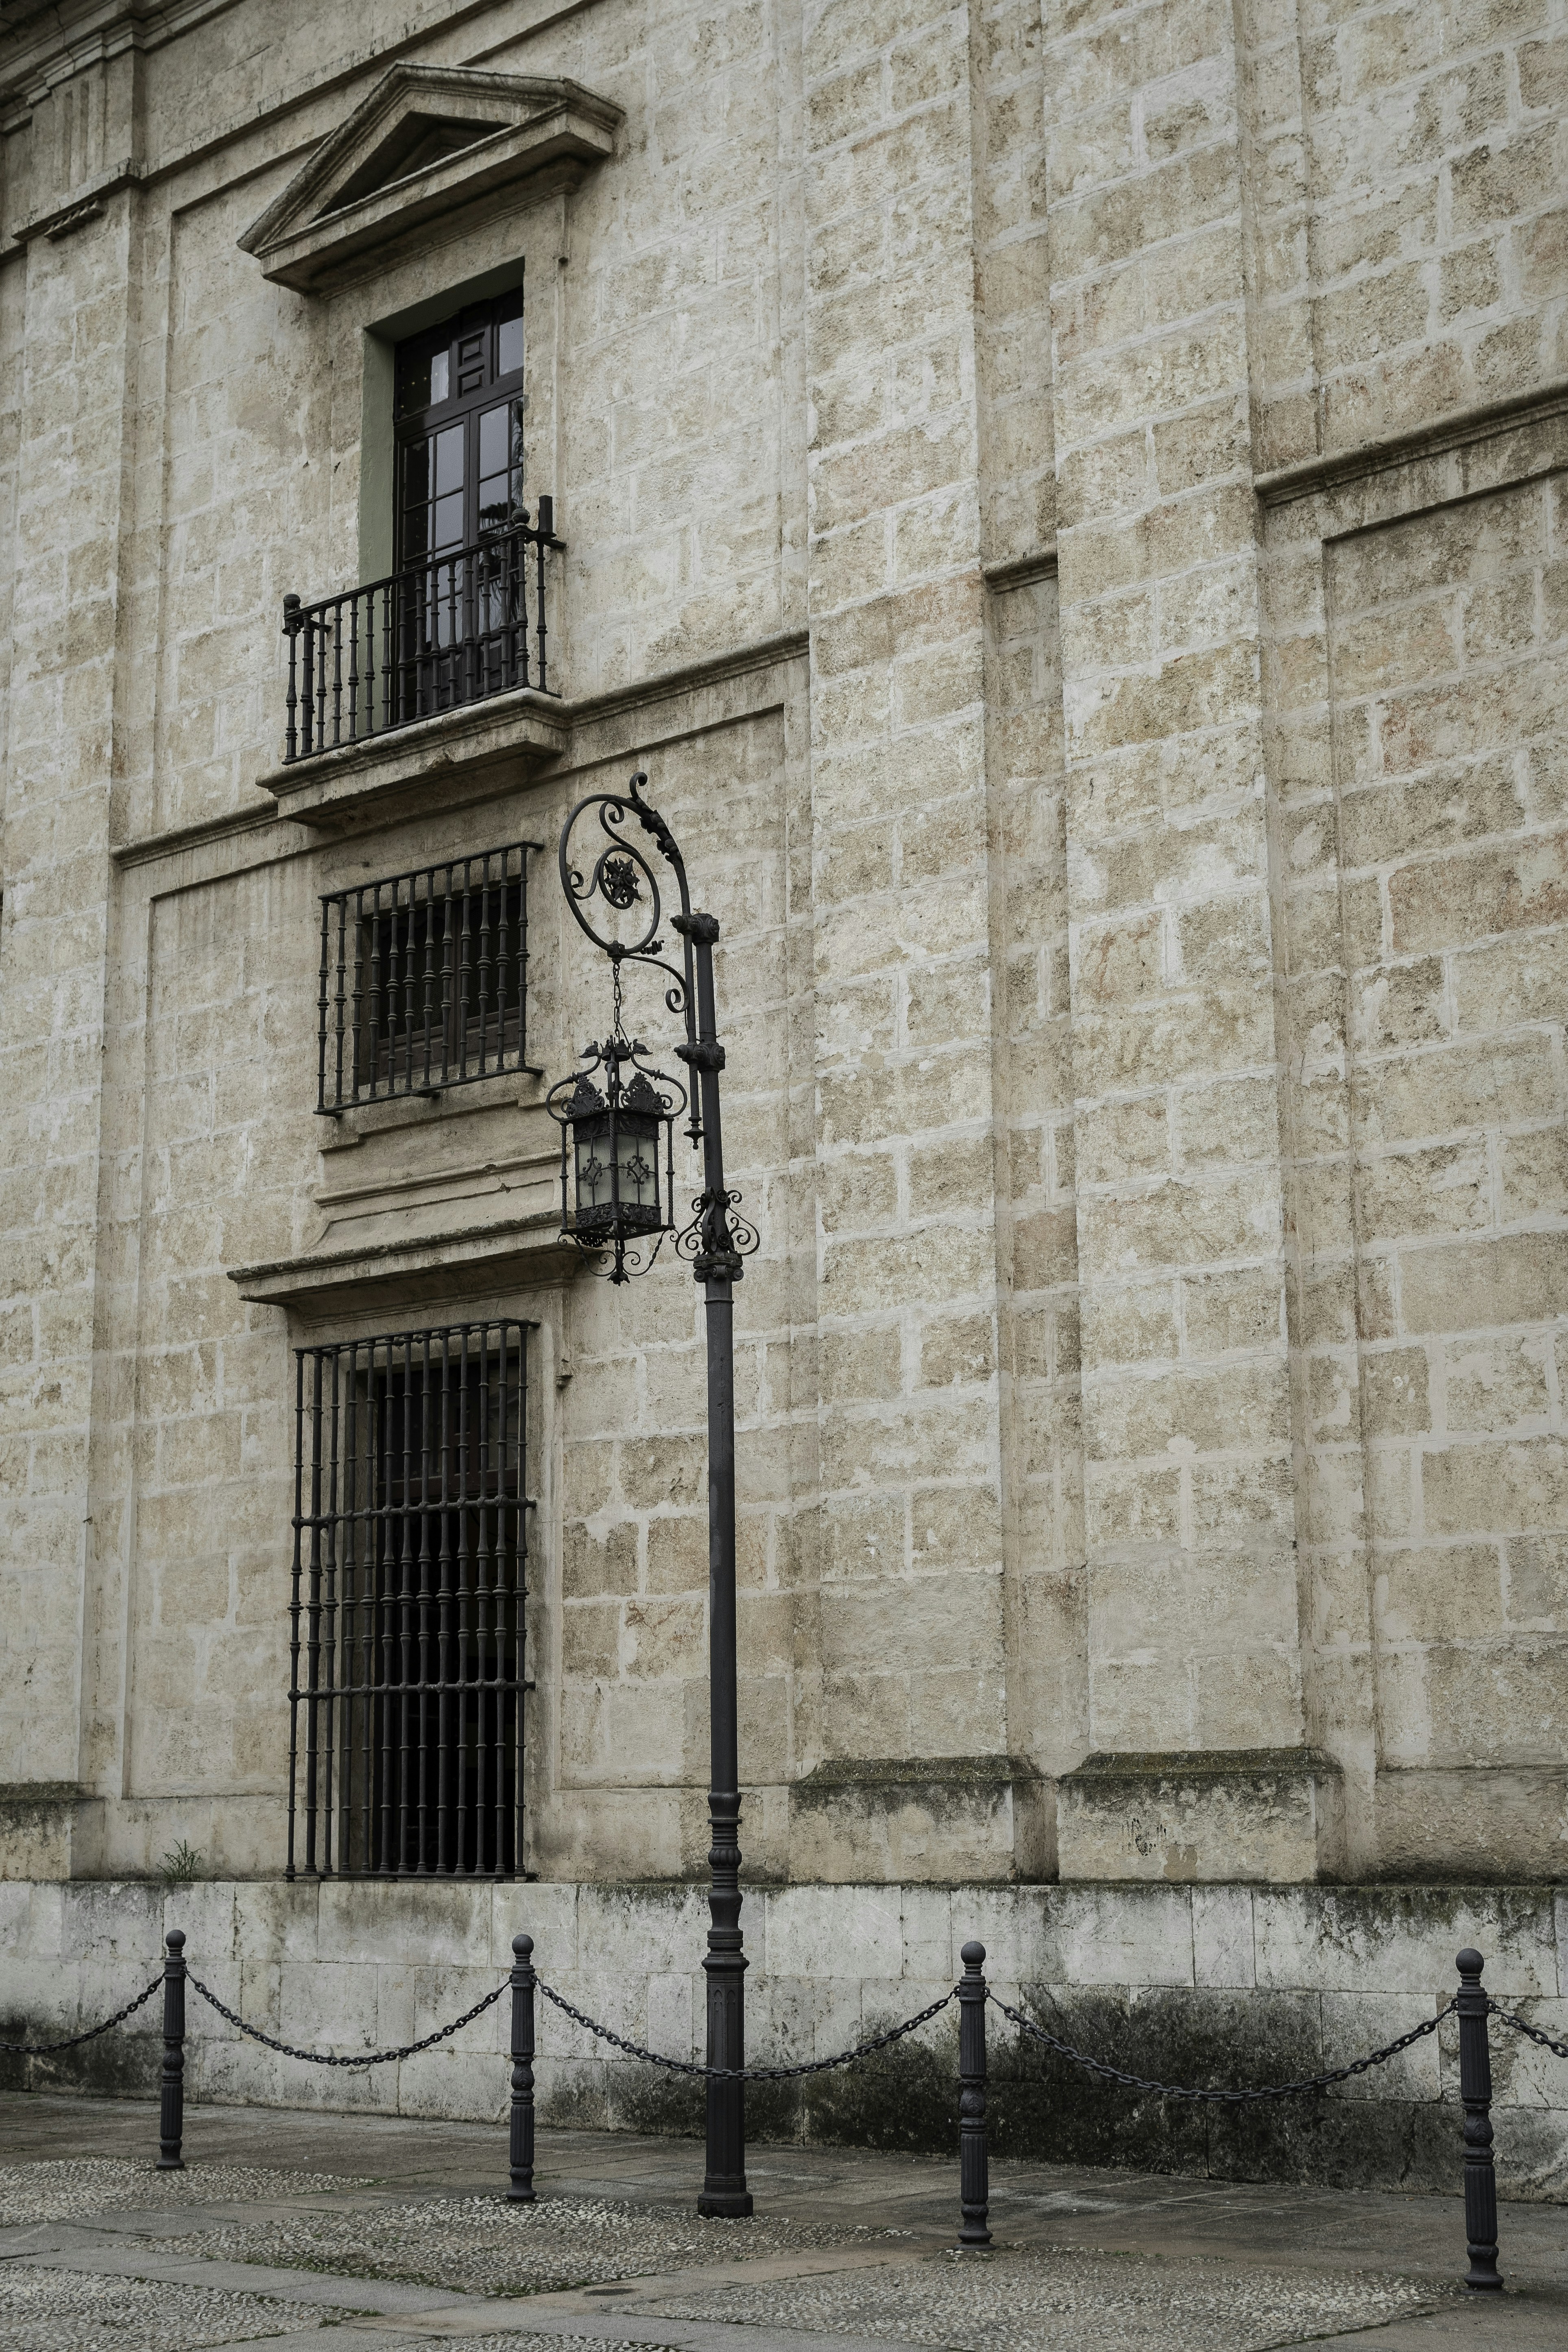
<point>423,980</point>
<point>406,1649</point>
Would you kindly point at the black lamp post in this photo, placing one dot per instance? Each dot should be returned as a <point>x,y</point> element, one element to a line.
<point>616,1130</point>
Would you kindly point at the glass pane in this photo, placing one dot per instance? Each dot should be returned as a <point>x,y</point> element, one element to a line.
<point>509,341</point>
<point>416,472</point>
<point>448,521</point>
<point>492,441</point>
<point>449,459</point>
<point>500,466</point>
<point>439,371</point>
<point>414,540</point>
<point>414,380</point>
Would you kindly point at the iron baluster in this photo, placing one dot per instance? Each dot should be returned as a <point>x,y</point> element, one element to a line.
<point>546,537</point>
<point>291,728</point>
<point>324,1006</point>
<point>483,973</point>
<point>322,630</point>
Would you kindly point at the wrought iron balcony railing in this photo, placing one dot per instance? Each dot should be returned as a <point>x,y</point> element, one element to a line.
<point>466,623</point>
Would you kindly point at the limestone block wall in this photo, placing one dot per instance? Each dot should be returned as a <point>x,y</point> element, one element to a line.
<point>1066,503</point>
<point>1223,1984</point>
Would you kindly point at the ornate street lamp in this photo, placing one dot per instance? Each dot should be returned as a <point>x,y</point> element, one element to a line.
<point>617,1137</point>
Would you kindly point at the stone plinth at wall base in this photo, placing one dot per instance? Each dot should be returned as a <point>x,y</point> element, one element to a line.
<point>1220,1984</point>
<point>48,1830</point>
<point>1437,1823</point>
<point>1269,1813</point>
<point>907,1817</point>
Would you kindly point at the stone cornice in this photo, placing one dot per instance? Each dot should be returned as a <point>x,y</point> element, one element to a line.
<point>525,1251</point>
<point>1020,570</point>
<point>1458,428</point>
<point>59,41</point>
<point>599,712</point>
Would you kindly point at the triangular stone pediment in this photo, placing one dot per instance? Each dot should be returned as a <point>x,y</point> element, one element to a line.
<point>426,140</point>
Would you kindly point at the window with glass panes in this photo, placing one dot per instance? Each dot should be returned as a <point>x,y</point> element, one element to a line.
<point>459,430</point>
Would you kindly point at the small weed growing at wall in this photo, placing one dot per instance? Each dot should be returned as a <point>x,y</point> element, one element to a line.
<point>182,1864</point>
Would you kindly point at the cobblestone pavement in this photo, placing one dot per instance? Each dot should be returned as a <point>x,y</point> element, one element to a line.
<point>481,2245</point>
<point>67,2189</point>
<point>60,2310</point>
<point>394,2236</point>
<point>1078,2302</point>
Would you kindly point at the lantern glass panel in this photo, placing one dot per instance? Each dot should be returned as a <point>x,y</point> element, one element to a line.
<point>637,1165</point>
<point>591,1146</point>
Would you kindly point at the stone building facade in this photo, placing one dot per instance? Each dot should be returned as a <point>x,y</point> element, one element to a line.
<point>1068,505</point>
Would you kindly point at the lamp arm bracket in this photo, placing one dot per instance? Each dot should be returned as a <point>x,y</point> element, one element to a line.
<point>700,1056</point>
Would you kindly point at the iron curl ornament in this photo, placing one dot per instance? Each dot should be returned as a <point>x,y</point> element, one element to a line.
<point>617,1112</point>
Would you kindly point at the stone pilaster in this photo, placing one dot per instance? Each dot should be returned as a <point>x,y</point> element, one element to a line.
<point>1192,1610</point>
<point>70,375</point>
<point>910,1565</point>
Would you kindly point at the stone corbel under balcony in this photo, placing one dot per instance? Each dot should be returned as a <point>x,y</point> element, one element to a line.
<point>457,755</point>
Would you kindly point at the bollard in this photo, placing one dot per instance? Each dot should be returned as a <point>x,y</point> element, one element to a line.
<point>172,2085</point>
<point>973,2180</point>
<point>521,2150</point>
<point>1476,2091</point>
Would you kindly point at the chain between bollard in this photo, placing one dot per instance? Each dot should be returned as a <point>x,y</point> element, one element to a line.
<point>1222,2097</point>
<point>746,2074</point>
<point>332,2058</point>
<point>74,2041</point>
<point>1532,2032</point>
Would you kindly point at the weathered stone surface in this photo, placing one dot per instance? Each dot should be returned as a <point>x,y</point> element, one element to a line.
<point>1067,505</point>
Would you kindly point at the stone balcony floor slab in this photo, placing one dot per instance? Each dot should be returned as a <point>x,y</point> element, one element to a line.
<point>389,2232</point>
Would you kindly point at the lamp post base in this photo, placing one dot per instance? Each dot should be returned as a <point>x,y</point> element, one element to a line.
<point>724,2192</point>
<point>725,2204</point>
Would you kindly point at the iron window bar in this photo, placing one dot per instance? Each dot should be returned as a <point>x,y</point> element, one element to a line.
<point>466,622</point>
<point>423,980</point>
<point>406,1636</point>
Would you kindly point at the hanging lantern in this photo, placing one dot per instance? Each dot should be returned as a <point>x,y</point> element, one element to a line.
<point>617,1171</point>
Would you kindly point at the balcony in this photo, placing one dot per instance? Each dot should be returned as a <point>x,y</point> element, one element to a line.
<point>467,623</point>
<point>433,683</point>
